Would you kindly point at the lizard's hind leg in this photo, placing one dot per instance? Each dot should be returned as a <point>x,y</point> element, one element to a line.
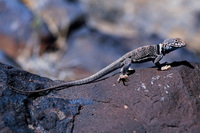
<point>126,68</point>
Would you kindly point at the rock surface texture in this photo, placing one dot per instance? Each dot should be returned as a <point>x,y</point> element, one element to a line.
<point>153,101</point>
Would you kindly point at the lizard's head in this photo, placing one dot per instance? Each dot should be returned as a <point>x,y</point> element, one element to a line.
<point>171,44</point>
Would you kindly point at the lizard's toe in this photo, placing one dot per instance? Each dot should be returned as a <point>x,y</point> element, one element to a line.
<point>164,68</point>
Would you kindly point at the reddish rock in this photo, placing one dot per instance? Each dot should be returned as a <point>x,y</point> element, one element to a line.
<point>17,31</point>
<point>153,101</point>
<point>10,45</point>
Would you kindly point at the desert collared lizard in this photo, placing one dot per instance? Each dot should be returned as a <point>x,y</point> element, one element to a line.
<point>142,54</point>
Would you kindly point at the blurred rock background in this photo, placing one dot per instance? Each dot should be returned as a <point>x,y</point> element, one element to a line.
<point>71,39</point>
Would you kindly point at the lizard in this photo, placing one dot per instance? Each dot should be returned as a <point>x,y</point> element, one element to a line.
<point>142,54</point>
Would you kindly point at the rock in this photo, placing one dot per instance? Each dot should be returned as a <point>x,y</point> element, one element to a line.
<point>17,31</point>
<point>31,27</point>
<point>153,101</point>
<point>58,15</point>
<point>6,59</point>
<point>26,37</point>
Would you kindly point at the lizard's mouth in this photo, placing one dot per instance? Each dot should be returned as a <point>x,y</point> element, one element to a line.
<point>184,44</point>
<point>179,45</point>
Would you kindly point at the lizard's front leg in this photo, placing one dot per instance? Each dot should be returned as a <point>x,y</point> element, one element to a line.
<point>124,77</point>
<point>156,62</point>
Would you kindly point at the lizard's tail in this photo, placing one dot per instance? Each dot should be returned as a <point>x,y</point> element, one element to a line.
<point>115,65</point>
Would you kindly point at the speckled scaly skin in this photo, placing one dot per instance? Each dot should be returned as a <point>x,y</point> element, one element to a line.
<point>142,54</point>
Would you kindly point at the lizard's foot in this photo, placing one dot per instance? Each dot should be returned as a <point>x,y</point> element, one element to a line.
<point>123,78</point>
<point>164,68</point>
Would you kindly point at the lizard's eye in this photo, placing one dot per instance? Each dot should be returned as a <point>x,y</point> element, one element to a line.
<point>178,40</point>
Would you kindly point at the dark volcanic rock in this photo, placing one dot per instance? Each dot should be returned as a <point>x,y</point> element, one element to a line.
<point>153,101</point>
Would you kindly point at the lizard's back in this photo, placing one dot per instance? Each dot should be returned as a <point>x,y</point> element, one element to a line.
<point>143,54</point>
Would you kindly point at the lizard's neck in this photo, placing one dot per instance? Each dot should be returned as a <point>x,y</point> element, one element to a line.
<point>161,49</point>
